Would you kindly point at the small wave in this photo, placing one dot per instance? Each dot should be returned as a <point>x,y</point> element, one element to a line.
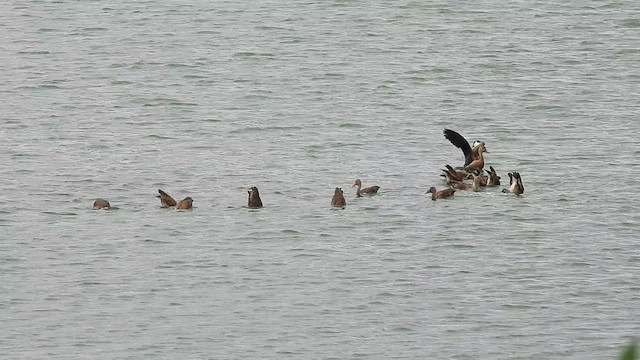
<point>182,103</point>
<point>178,65</point>
<point>352,126</point>
<point>59,213</point>
<point>250,54</point>
<point>291,232</point>
<point>160,137</point>
<point>264,27</point>
<point>34,52</point>
<point>252,129</point>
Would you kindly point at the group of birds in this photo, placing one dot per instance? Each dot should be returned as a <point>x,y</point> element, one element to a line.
<point>455,178</point>
<point>474,163</point>
<point>254,201</point>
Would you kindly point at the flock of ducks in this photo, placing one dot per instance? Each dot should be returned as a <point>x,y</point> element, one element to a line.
<point>455,179</point>
<point>472,169</point>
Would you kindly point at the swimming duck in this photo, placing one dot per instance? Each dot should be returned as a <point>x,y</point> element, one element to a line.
<point>442,194</point>
<point>166,200</point>
<point>101,204</point>
<point>470,153</point>
<point>338,198</point>
<point>184,204</point>
<point>371,190</point>
<point>515,184</point>
<point>254,198</point>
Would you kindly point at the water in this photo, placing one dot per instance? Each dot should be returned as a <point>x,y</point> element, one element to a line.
<point>208,98</point>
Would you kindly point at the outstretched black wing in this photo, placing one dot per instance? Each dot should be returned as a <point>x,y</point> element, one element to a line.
<point>460,142</point>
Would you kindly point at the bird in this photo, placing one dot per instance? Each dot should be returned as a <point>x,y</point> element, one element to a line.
<point>371,190</point>
<point>460,185</point>
<point>515,184</point>
<point>452,174</point>
<point>101,204</point>
<point>478,163</point>
<point>338,198</point>
<point>442,194</point>
<point>254,198</point>
<point>184,204</point>
<point>493,179</point>
<point>478,181</point>
<point>166,200</point>
<point>470,153</point>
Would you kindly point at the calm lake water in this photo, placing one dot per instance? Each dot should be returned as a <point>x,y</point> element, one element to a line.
<point>207,98</point>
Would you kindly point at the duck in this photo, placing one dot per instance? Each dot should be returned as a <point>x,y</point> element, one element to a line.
<point>254,198</point>
<point>184,204</point>
<point>460,185</point>
<point>515,184</point>
<point>371,190</point>
<point>452,174</point>
<point>478,163</point>
<point>442,194</point>
<point>493,178</point>
<point>470,153</point>
<point>101,204</point>
<point>166,201</point>
<point>478,181</point>
<point>338,198</point>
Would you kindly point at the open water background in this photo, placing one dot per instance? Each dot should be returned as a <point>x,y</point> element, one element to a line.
<point>207,98</point>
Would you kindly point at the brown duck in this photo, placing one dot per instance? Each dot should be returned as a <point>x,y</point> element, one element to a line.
<point>371,190</point>
<point>184,204</point>
<point>452,174</point>
<point>442,194</point>
<point>101,204</point>
<point>478,181</point>
<point>459,185</point>
<point>254,198</point>
<point>338,198</point>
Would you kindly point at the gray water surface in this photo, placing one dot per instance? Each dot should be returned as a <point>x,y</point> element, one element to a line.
<point>208,98</point>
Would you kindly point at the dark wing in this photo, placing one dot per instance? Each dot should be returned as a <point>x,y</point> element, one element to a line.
<point>447,192</point>
<point>370,190</point>
<point>460,142</point>
<point>166,199</point>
